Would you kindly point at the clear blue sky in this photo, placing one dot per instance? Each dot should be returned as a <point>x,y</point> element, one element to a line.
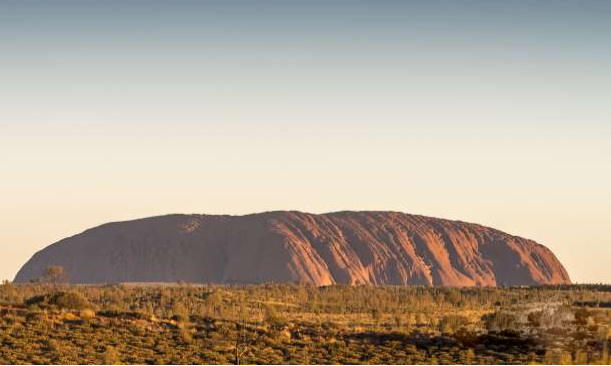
<point>485,111</point>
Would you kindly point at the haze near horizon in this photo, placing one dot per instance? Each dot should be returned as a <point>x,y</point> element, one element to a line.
<point>490,112</point>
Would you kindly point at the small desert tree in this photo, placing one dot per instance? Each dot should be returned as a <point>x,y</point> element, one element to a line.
<point>245,339</point>
<point>55,275</point>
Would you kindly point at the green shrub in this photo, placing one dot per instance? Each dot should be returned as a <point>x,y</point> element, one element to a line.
<point>70,300</point>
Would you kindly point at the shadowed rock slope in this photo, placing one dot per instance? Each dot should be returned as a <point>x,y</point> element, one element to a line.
<point>379,248</point>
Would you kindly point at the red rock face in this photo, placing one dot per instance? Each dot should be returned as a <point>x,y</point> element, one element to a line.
<point>378,248</point>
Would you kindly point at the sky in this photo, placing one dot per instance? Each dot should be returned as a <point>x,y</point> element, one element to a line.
<point>484,111</point>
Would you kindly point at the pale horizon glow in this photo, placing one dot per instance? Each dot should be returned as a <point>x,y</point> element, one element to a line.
<point>497,113</point>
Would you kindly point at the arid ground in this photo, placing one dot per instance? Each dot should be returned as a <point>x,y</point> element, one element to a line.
<point>50,322</point>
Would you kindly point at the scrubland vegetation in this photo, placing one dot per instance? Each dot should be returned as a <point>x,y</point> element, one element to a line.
<point>60,324</point>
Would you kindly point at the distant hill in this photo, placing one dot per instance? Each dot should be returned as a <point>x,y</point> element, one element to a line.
<point>380,248</point>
